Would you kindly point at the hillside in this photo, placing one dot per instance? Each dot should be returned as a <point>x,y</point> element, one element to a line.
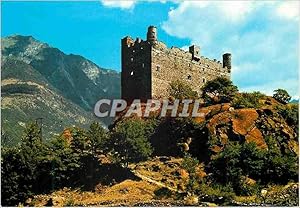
<point>26,96</point>
<point>38,81</point>
<point>260,143</point>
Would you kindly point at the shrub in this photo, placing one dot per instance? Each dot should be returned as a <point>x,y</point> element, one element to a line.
<point>237,161</point>
<point>247,100</point>
<point>219,90</point>
<point>189,163</point>
<point>282,96</point>
<point>180,90</point>
<point>290,113</point>
<point>163,193</point>
<point>219,194</point>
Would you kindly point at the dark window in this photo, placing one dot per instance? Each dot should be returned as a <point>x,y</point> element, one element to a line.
<point>189,77</point>
<point>157,68</point>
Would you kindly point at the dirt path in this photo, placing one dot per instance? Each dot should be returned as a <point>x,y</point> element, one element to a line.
<point>154,182</point>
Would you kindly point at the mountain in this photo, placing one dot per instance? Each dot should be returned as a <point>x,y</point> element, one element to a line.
<point>39,81</point>
<point>295,101</point>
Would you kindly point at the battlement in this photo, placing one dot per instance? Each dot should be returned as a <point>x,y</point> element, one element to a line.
<point>159,47</point>
<point>148,66</point>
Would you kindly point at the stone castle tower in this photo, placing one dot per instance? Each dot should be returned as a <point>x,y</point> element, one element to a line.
<point>149,66</point>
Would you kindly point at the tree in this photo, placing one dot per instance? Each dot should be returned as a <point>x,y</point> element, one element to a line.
<point>19,167</point>
<point>226,166</point>
<point>130,141</point>
<point>282,96</point>
<point>219,90</point>
<point>97,137</point>
<point>180,90</point>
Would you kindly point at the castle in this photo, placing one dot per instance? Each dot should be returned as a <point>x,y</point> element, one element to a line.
<point>149,66</point>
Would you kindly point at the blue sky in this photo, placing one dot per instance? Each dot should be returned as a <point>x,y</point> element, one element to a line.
<point>263,37</point>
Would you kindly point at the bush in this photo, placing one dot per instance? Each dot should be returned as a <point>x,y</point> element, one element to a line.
<point>219,194</point>
<point>180,90</point>
<point>163,193</point>
<point>247,100</point>
<point>237,161</point>
<point>189,163</point>
<point>219,90</point>
<point>282,96</point>
<point>290,113</point>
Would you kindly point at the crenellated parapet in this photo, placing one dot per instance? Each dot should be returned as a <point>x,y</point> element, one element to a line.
<point>148,66</point>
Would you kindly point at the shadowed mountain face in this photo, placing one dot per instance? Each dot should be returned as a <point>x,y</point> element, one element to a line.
<point>41,81</point>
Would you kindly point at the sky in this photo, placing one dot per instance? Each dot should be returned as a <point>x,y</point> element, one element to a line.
<point>263,36</point>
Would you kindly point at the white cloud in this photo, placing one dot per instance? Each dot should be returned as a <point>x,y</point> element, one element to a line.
<point>264,48</point>
<point>127,4</point>
<point>288,10</point>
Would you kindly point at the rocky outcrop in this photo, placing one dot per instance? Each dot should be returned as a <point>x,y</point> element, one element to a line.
<point>235,125</point>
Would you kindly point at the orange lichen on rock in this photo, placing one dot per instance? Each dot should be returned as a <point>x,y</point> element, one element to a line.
<point>256,136</point>
<point>244,120</point>
<point>218,119</point>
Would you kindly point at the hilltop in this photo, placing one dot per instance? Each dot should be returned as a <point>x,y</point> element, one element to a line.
<point>164,179</point>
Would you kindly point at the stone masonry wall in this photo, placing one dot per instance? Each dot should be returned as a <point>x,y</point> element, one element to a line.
<point>136,69</point>
<point>170,64</point>
<point>148,67</point>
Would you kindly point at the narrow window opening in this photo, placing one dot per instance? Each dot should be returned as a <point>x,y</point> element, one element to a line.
<point>189,77</point>
<point>158,68</point>
<point>203,80</point>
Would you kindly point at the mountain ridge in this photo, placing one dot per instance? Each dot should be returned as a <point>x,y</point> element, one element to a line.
<point>34,72</point>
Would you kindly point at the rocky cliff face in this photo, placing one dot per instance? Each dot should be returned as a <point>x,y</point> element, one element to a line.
<point>226,124</point>
<point>39,81</point>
